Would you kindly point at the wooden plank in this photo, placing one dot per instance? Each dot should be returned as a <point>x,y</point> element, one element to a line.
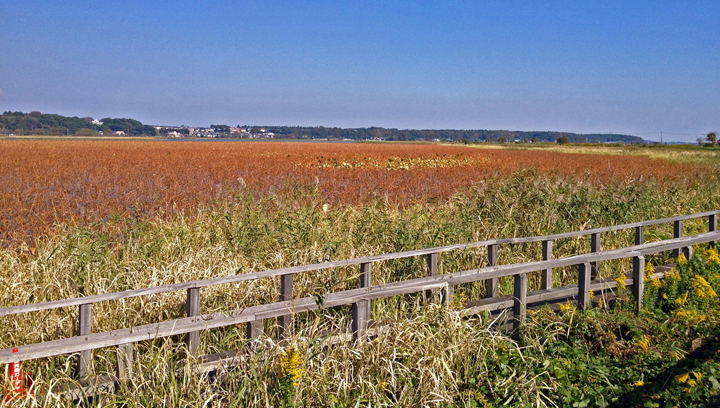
<point>192,308</point>
<point>124,361</point>
<point>519,300</point>
<point>491,285</point>
<point>546,276</point>
<point>286,295</point>
<point>687,251</point>
<point>326,265</point>
<point>254,329</point>
<point>540,296</point>
<point>84,361</point>
<point>638,274</point>
<point>584,274</point>
<point>639,235</point>
<point>189,324</point>
<point>712,226</point>
<point>361,310</point>
<point>595,247</point>
<point>677,233</point>
<point>432,270</point>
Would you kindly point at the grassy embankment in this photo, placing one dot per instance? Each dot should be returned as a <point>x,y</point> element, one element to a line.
<point>429,355</point>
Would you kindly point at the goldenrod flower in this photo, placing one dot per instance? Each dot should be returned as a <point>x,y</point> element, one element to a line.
<point>643,342</point>
<point>703,290</point>
<point>649,271</point>
<point>672,276</point>
<point>600,303</point>
<point>566,307</point>
<point>682,377</point>
<point>639,383</point>
<point>698,376</point>
<point>656,283</point>
<point>620,280</point>
<point>690,315</point>
<point>681,260</point>
<point>680,302</point>
<point>711,256</point>
<point>290,363</point>
<point>675,355</point>
<point>691,383</point>
<point>592,294</point>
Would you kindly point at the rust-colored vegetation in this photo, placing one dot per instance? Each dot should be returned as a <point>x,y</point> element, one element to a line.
<point>47,182</point>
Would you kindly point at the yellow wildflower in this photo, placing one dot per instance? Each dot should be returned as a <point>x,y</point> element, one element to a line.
<point>458,301</point>
<point>672,276</point>
<point>566,307</point>
<point>655,283</point>
<point>698,376</point>
<point>665,296</point>
<point>680,302</point>
<point>620,280</point>
<point>675,355</point>
<point>290,363</point>
<point>690,315</point>
<point>643,342</point>
<point>592,294</point>
<point>691,383</point>
<point>711,256</point>
<point>649,271</point>
<point>600,303</point>
<point>682,377</point>
<point>681,260</point>
<point>639,383</point>
<point>703,290</point>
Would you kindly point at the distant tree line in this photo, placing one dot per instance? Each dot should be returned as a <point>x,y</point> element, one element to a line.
<point>378,133</point>
<point>51,124</point>
<point>34,123</point>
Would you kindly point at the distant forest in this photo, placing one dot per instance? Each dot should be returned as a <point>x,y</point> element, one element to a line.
<point>378,133</point>
<point>35,123</point>
<point>50,124</point>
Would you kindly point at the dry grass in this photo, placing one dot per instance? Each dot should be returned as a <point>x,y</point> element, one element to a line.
<point>44,183</point>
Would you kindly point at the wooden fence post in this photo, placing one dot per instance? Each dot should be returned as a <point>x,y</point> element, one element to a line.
<point>432,270</point>
<point>677,233</point>
<point>687,251</point>
<point>361,311</point>
<point>712,227</point>
<point>491,285</point>
<point>595,246</point>
<point>124,361</point>
<point>584,274</point>
<point>192,309</point>
<point>546,278</point>
<point>286,295</point>
<point>638,275</point>
<point>640,235</point>
<point>519,300</point>
<point>84,328</point>
<point>254,329</point>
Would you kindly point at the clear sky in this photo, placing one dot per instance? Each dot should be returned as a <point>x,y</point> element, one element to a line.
<point>634,67</point>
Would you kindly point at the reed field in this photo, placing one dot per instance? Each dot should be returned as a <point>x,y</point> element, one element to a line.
<point>79,218</point>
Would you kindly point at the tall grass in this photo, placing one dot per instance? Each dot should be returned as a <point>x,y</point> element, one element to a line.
<point>425,356</point>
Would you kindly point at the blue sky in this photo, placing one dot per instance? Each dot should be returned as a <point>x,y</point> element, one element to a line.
<point>579,66</point>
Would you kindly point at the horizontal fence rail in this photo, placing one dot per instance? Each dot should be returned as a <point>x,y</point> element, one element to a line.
<point>360,298</point>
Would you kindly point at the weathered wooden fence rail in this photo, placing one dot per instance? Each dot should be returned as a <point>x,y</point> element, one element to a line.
<point>360,298</point>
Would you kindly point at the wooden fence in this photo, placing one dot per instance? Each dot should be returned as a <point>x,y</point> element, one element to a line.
<point>360,298</point>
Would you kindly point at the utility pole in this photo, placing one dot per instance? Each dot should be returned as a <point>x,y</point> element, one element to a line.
<point>661,141</point>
